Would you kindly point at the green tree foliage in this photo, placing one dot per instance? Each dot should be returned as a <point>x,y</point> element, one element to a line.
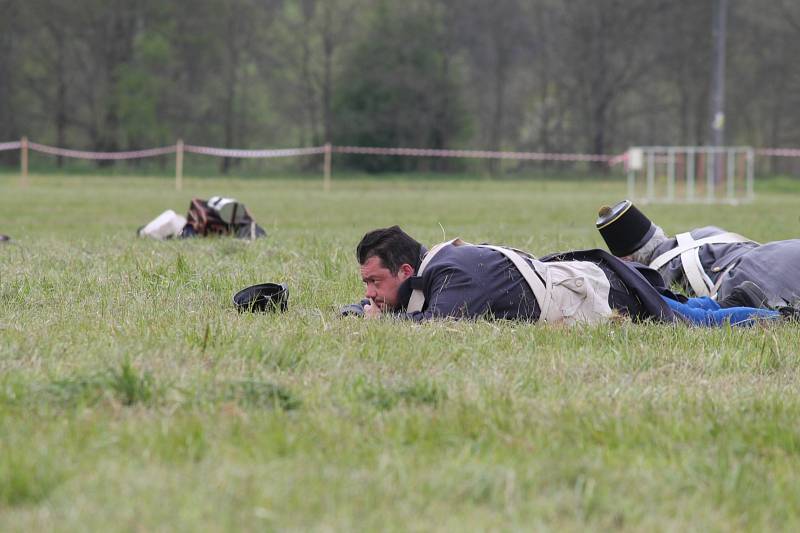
<point>8,79</point>
<point>141,84</point>
<point>401,85</point>
<point>544,75</point>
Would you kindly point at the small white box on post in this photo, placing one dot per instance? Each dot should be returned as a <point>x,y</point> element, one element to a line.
<point>635,159</point>
<point>634,163</point>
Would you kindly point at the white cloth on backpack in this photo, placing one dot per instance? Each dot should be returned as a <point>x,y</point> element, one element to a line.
<point>567,292</point>
<point>166,225</point>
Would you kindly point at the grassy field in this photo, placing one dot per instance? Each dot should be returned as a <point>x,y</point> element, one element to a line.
<point>133,397</point>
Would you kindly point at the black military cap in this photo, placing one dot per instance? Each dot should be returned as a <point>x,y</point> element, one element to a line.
<point>262,297</point>
<point>624,228</point>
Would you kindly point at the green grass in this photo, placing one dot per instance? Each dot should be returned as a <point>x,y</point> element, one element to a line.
<point>134,397</point>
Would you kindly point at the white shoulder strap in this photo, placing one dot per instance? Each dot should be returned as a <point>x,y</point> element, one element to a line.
<point>542,291</point>
<point>417,299</point>
<point>720,238</point>
<point>690,260</point>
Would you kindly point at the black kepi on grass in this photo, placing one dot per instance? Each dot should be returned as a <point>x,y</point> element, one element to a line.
<point>262,298</point>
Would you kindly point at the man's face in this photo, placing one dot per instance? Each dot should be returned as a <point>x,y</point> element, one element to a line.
<point>381,285</point>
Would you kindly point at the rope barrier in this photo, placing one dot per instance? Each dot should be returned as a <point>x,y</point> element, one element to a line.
<point>81,154</point>
<point>179,149</point>
<point>474,154</point>
<point>778,152</point>
<point>617,159</point>
<point>15,145</point>
<point>228,152</point>
<point>363,150</point>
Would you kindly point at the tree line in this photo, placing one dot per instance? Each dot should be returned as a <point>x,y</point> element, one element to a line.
<point>541,75</point>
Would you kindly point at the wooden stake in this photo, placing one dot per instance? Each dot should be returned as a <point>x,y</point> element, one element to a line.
<point>23,161</point>
<point>179,165</point>
<point>326,182</point>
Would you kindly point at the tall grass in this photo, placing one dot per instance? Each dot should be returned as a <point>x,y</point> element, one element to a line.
<point>134,397</point>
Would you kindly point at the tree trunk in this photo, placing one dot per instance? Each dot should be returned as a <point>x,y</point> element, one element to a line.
<point>327,77</point>
<point>229,118</point>
<point>61,100</point>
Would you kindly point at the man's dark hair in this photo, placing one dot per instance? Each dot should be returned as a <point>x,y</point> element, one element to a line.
<point>392,246</point>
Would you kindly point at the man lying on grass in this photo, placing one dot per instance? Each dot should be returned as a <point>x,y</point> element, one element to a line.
<point>460,280</point>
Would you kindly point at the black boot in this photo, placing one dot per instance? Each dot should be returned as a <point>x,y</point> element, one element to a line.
<point>792,314</point>
<point>748,294</point>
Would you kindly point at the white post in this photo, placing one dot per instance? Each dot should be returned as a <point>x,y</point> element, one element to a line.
<point>326,179</point>
<point>651,171</point>
<point>633,163</point>
<point>690,174</point>
<point>179,165</point>
<point>750,165</point>
<point>710,159</point>
<point>731,164</point>
<point>671,175</point>
<point>631,184</point>
<point>23,161</point>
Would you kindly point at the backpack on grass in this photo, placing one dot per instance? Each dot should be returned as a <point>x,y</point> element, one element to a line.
<point>220,216</point>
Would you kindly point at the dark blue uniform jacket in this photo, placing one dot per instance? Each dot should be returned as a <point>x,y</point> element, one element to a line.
<point>474,282</point>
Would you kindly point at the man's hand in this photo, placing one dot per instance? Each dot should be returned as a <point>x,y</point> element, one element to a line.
<point>371,310</point>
